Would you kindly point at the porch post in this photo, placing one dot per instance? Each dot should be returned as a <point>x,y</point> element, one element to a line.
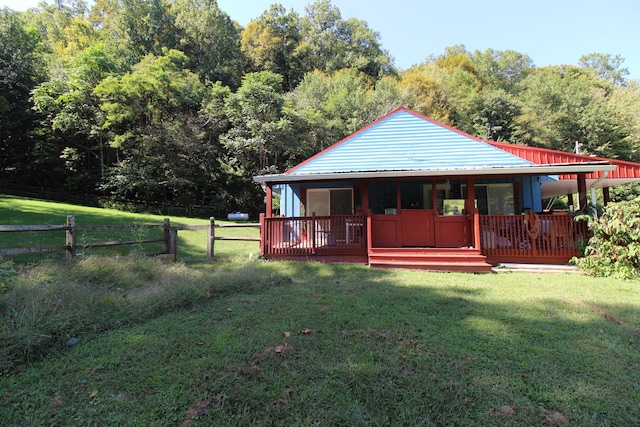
<point>269,196</point>
<point>365,197</point>
<point>570,200</point>
<point>473,212</point>
<point>582,191</point>
<point>605,195</point>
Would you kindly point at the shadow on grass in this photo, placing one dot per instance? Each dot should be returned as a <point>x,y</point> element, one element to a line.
<point>318,344</point>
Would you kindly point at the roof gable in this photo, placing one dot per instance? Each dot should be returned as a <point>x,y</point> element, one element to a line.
<point>405,140</point>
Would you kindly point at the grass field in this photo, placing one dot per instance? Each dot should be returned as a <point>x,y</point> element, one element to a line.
<point>191,243</point>
<point>137,342</point>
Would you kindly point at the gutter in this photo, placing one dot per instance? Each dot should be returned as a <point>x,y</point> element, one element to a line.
<point>548,169</point>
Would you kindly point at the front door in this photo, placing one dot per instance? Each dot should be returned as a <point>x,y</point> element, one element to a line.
<point>418,228</point>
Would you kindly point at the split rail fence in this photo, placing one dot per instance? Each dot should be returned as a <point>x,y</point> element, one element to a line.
<point>169,237</point>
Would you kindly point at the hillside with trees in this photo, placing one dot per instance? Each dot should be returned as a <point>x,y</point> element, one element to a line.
<point>173,102</point>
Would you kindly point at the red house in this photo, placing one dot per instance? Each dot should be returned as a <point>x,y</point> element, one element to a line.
<point>408,191</point>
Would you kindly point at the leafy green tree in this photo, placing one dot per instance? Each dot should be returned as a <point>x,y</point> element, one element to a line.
<point>501,69</point>
<point>565,105</point>
<point>331,43</point>
<point>423,91</point>
<point>70,110</point>
<point>258,125</point>
<point>210,40</point>
<point>271,43</point>
<point>141,26</point>
<point>150,114</point>
<point>494,120</point>
<point>64,27</point>
<point>606,67</point>
<point>326,108</point>
<point>21,69</point>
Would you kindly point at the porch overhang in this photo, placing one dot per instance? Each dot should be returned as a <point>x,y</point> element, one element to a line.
<point>570,186</point>
<point>528,170</point>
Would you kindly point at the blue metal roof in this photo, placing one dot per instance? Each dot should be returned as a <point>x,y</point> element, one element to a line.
<point>404,140</point>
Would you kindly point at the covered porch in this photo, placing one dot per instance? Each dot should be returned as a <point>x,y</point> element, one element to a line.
<point>527,238</point>
<point>424,232</point>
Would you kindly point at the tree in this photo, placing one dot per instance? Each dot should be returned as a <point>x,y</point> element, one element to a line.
<point>606,67</point>
<point>141,26</point>
<point>423,90</point>
<point>64,27</point>
<point>565,105</point>
<point>331,43</point>
<point>494,121</point>
<point>210,40</point>
<point>271,43</point>
<point>326,108</point>
<point>21,69</point>
<point>255,113</point>
<point>70,110</point>
<point>501,69</point>
<point>151,114</point>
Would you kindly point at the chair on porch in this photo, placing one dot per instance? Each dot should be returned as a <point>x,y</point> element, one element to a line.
<point>560,234</point>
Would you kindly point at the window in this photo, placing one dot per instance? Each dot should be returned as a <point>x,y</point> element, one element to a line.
<point>494,199</point>
<point>330,201</point>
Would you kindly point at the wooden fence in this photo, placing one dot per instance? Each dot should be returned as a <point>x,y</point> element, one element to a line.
<point>169,237</point>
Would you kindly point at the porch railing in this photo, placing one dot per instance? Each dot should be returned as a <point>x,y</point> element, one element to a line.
<point>532,237</point>
<point>323,235</point>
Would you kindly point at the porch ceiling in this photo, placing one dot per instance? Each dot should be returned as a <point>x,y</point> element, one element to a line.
<point>536,170</point>
<point>570,186</point>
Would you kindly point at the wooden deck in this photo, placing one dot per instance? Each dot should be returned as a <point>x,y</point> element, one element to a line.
<point>541,239</point>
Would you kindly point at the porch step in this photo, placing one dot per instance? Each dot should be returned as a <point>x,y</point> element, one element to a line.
<point>450,259</point>
<point>536,268</point>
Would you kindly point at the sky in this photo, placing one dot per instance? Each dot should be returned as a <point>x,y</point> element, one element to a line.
<point>551,32</point>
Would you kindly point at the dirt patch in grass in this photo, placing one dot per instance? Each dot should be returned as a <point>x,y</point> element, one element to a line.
<point>553,418</point>
<point>607,316</point>
<point>197,410</point>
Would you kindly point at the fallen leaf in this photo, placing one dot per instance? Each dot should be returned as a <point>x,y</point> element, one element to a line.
<point>305,331</point>
<point>93,394</point>
<point>279,349</point>
<point>325,308</point>
<point>199,343</point>
<point>287,334</point>
<point>208,294</point>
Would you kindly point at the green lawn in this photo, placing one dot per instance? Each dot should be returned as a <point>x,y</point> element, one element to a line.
<point>191,243</point>
<point>137,342</point>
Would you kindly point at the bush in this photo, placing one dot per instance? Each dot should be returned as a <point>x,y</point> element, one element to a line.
<point>614,248</point>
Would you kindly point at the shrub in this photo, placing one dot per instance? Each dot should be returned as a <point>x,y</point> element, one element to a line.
<point>614,248</point>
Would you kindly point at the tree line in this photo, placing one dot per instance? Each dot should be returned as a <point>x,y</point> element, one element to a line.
<point>171,101</point>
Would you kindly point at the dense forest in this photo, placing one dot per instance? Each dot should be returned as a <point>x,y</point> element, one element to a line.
<point>172,102</point>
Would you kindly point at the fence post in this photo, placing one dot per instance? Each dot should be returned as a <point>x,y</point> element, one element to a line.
<point>211,238</point>
<point>167,236</point>
<point>263,242</point>
<point>173,243</point>
<point>71,238</point>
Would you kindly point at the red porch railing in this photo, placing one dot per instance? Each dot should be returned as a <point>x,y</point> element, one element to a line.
<point>531,238</point>
<point>322,235</point>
